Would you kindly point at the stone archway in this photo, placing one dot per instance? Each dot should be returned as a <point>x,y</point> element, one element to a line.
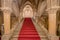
<point>27,12</point>
<point>1,23</point>
<point>58,22</point>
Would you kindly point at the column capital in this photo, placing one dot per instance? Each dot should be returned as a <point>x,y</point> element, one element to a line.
<point>6,12</point>
<point>6,9</point>
<point>53,8</point>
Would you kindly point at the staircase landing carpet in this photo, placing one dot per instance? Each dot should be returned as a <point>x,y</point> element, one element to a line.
<point>28,31</point>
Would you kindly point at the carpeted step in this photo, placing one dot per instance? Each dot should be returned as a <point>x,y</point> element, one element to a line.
<point>28,35</point>
<point>28,30</point>
<point>29,38</point>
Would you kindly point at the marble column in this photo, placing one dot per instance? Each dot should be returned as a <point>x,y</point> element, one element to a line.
<point>52,22</point>
<point>6,14</point>
<point>52,7</point>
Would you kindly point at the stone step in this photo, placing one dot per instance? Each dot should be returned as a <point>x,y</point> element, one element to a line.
<point>42,38</point>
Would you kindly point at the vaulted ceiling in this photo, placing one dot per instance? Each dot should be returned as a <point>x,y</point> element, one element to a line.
<point>22,3</point>
<point>34,2</point>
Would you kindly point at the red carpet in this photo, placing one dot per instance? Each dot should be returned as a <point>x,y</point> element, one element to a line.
<point>28,31</point>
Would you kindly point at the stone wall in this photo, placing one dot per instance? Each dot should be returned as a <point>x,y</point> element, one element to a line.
<point>0,3</point>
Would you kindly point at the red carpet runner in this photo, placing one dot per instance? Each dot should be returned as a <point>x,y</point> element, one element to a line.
<point>28,31</point>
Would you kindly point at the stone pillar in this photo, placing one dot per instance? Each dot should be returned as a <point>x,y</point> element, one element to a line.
<point>52,22</point>
<point>6,6</point>
<point>52,7</point>
<point>6,14</point>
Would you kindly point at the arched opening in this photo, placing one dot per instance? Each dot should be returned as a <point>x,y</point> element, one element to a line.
<point>27,12</point>
<point>1,23</point>
<point>13,20</point>
<point>58,22</point>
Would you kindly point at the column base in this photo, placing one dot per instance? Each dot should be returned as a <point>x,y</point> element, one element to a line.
<point>54,38</point>
<point>5,37</point>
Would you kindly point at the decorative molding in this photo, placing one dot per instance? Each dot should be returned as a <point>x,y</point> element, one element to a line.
<point>55,37</point>
<point>6,8</point>
<point>53,7</point>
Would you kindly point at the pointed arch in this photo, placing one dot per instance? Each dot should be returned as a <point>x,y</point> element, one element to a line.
<point>42,7</point>
<point>24,5</point>
<point>27,11</point>
<point>27,3</point>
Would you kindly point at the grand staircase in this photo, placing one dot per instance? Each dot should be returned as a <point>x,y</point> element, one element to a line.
<point>27,32</point>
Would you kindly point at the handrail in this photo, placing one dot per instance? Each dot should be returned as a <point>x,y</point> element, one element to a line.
<point>45,30</point>
<point>42,27</point>
<point>19,24</point>
<point>8,36</point>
